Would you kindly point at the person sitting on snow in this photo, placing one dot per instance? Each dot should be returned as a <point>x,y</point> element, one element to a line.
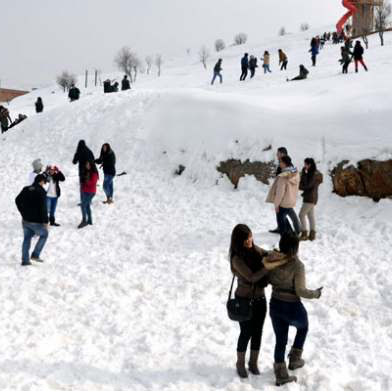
<point>303,73</point>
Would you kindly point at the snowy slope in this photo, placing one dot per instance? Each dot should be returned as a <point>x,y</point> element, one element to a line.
<point>136,302</point>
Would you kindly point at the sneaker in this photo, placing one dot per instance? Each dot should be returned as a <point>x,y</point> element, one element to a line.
<point>82,224</point>
<point>275,231</point>
<point>37,259</point>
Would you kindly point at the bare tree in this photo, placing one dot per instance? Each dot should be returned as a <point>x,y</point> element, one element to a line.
<point>158,63</point>
<point>240,38</point>
<point>382,19</point>
<point>304,26</point>
<point>204,55</point>
<point>66,80</point>
<point>149,64</point>
<point>220,45</point>
<point>364,35</point>
<point>127,61</point>
<point>282,31</point>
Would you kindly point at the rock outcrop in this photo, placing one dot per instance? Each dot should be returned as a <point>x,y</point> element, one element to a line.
<point>236,169</point>
<point>370,178</point>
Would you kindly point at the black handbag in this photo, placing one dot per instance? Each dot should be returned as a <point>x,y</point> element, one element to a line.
<point>239,309</point>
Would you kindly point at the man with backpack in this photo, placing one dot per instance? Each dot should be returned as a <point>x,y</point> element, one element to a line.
<point>31,203</point>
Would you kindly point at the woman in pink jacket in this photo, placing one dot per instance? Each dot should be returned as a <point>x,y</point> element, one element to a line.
<point>283,193</point>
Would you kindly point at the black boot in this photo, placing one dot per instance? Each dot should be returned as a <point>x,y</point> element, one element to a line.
<point>241,370</point>
<point>52,222</point>
<point>253,367</point>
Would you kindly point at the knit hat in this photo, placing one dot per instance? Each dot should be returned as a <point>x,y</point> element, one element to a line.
<point>37,165</point>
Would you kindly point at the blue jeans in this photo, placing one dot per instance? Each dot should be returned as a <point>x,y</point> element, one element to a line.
<point>51,205</point>
<point>284,314</point>
<point>266,68</point>
<point>217,74</point>
<point>283,224</point>
<point>86,207</point>
<point>29,230</point>
<point>108,185</point>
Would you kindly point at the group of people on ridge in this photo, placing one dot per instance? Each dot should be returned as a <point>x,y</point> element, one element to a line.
<point>37,202</point>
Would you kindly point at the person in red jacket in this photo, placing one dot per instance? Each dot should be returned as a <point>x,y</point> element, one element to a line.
<point>89,181</point>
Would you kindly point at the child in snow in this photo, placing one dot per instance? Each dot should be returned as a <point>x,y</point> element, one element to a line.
<point>266,64</point>
<point>358,56</point>
<point>311,179</point>
<point>246,264</point>
<point>108,160</point>
<point>54,176</point>
<point>283,60</point>
<point>286,309</point>
<point>88,190</point>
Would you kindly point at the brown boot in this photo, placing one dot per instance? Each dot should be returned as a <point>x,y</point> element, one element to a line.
<point>241,370</point>
<point>312,235</point>
<point>304,235</point>
<point>281,374</point>
<point>253,368</point>
<point>295,359</point>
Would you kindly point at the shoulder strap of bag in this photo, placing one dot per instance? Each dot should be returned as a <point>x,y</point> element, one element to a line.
<point>231,287</point>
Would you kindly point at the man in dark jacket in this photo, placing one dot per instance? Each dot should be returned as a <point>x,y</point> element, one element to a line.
<point>74,93</point>
<point>303,74</point>
<point>244,67</point>
<point>217,72</point>
<point>31,203</point>
<point>125,84</point>
<point>358,56</point>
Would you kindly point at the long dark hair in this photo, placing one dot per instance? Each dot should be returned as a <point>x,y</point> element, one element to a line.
<point>313,168</point>
<point>239,235</point>
<point>108,149</point>
<point>87,172</point>
<point>289,244</point>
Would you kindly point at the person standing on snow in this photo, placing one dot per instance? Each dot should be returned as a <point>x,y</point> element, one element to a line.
<point>74,93</point>
<point>286,309</point>
<point>252,66</point>
<point>82,155</point>
<point>314,50</point>
<point>266,62</point>
<point>54,176</point>
<point>108,160</point>
<point>246,264</point>
<point>5,119</point>
<point>217,72</point>
<point>283,60</point>
<point>358,56</point>
<point>37,169</point>
<point>88,190</point>
<point>39,105</point>
<point>31,203</point>
<point>244,67</point>
<point>346,58</point>
<point>311,179</point>
<point>125,84</point>
<point>283,194</point>
<point>280,153</point>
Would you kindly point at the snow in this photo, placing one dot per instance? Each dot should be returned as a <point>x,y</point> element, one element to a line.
<point>137,301</point>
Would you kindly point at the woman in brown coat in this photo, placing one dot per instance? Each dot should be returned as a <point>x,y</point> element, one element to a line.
<point>246,264</point>
<point>309,184</point>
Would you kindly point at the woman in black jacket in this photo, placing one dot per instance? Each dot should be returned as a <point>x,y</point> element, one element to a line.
<point>107,159</point>
<point>246,264</point>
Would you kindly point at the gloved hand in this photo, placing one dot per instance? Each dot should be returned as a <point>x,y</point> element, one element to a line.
<point>319,290</point>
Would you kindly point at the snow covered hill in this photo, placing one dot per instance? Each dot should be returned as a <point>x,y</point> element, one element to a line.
<point>137,301</point>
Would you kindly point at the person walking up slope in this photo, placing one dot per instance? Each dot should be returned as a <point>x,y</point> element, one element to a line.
<point>311,179</point>
<point>108,160</point>
<point>31,203</point>
<point>244,67</point>
<point>283,60</point>
<point>88,190</point>
<point>358,56</point>
<point>286,309</point>
<point>217,72</point>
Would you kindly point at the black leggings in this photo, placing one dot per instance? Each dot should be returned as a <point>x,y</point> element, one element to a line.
<point>253,329</point>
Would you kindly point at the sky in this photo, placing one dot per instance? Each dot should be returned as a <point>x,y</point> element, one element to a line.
<point>42,38</point>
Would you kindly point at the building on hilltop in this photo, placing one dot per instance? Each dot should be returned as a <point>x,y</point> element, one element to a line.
<point>6,95</point>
